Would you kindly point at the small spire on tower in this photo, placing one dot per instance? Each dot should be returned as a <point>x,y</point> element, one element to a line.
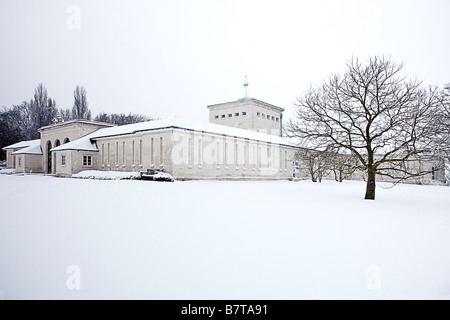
<point>245,85</point>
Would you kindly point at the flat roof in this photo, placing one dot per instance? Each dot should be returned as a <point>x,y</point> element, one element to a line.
<point>87,143</point>
<point>81,121</point>
<point>247,101</point>
<point>22,144</point>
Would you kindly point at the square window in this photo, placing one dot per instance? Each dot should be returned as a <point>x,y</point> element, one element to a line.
<point>223,116</point>
<point>236,114</point>
<point>230,115</point>
<point>87,161</point>
<point>216,117</point>
<point>244,113</point>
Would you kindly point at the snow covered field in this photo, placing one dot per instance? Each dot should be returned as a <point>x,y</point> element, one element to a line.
<point>126,239</point>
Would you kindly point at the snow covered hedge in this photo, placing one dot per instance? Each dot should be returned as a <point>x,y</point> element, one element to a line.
<point>106,175</point>
<point>7,171</point>
<point>114,175</point>
<point>163,176</point>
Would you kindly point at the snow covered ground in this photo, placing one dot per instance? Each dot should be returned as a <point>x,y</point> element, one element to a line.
<point>124,239</point>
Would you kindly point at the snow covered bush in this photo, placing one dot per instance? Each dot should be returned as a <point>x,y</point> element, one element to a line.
<point>106,175</point>
<point>7,171</point>
<point>163,176</point>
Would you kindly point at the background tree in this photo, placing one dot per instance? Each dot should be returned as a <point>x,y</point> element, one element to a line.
<point>316,163</point>
<point>121,119</point>
<point>66,114</point>
<point>8,130</point>
<point>80,108</point>
<point>442,136</point>
<point>343,165</point>
<point>372,111</point>
<point>43,110</point>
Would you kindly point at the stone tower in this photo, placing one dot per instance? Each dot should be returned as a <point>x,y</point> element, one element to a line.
<point>249,114</point>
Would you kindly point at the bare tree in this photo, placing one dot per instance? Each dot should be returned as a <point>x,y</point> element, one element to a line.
<point>372,111</point>
<point>9,129</point>
<point>22,121</point>
<point>80,108</point>
<point>343,165</point>
<point>122,119</point>
<point>316,163</point>
<point>66,114</point>
<point>43,109</point>
<point>442,138</point>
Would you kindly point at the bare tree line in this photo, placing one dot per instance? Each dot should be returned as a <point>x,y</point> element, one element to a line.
<point>319,164</point>
<point>21,122</point>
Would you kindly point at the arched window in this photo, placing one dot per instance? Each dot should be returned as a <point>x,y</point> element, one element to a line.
<point>66,140</point>
<point>57,143</point>
<point>49,157</point>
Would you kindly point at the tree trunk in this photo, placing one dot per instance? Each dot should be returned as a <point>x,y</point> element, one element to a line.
<point>370,187</point>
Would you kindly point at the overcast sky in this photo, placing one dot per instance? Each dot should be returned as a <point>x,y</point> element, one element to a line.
<point>169,57</point>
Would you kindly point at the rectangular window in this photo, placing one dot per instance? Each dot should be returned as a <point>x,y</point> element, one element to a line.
<point>230,115</point>
<point>161,149</point>
<point>244,113</point>
<point>268,117</point>
<point>223,116</point>
<point>189,151</point>
<point>263,115</point>
<point>216,117</point>
<point>259,156</point>
<point>273,118</point>
<point>123,153</point>
<point>132,153</point>
<point>199,152</point>
<point>109,153</point>
<point>281,163</point>
<point>20,161</point>
<point>433,173</point>
<point>87,161</point>
<point>285,160</point>
<point>217,152</point>
<point>103,153</point>
<point>63,160</point>
<point>140,152</point>
<point>152,152</point>
<point>258,114</point>
<point>236,114</point>
<point>225,154</point>
<point>254,156</point>
<point>276,119</point>
<point>117,153</point>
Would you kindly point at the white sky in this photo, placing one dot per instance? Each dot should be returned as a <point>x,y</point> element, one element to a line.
<point>169,57</point>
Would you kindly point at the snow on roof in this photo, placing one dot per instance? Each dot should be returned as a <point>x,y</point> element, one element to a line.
<point>76,121</point>
<point>22,144</point>
<point>34,148</point>
<point>86,143</point>
<point>83,144</point>
<point>246,101</point>
<point>182,123</point>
